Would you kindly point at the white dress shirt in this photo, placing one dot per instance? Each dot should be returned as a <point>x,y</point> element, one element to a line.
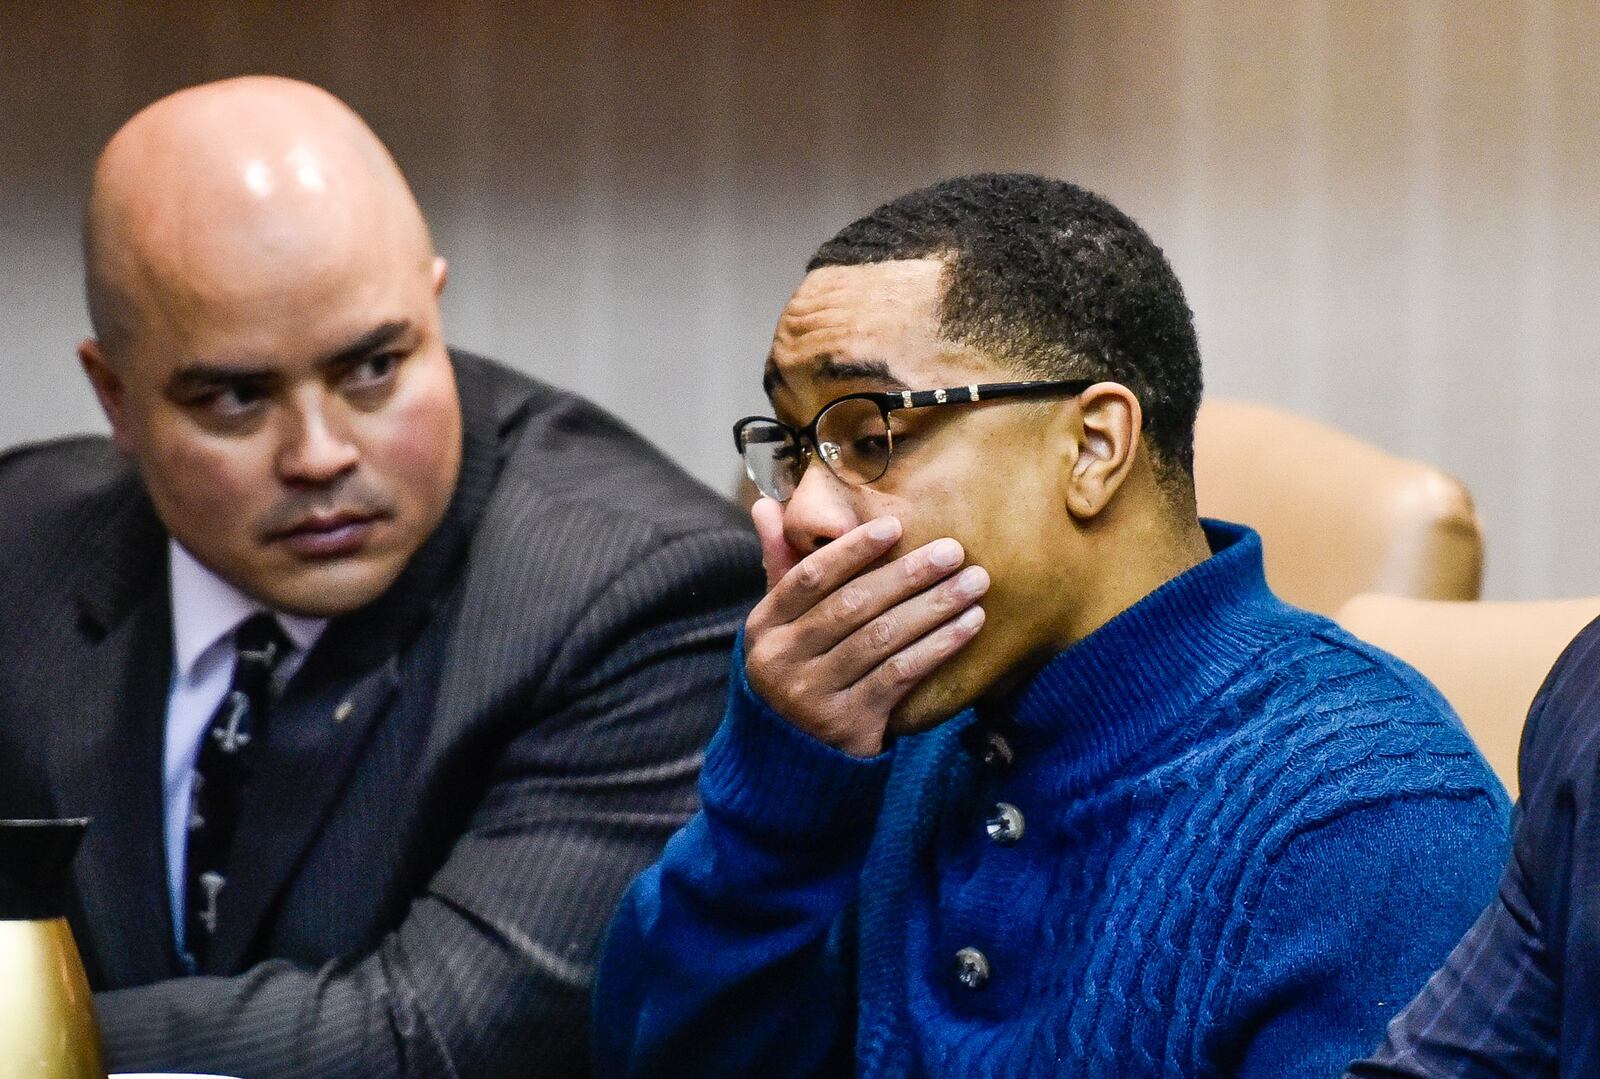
<point>205,612</point>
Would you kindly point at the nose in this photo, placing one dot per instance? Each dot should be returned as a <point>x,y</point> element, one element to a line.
<point>819,511</point>
<point>316,448</point>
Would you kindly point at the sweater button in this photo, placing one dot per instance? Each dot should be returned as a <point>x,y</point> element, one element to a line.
<point>1007,825</point>
<point>972,968</point>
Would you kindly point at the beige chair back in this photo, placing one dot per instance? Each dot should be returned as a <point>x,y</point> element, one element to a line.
<point>1337,516</point>
<point>1488,659</point>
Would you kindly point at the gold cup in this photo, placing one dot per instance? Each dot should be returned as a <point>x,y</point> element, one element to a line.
<point>47,1023</point>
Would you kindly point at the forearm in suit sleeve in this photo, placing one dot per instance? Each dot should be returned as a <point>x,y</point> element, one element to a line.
<point>489,973</point>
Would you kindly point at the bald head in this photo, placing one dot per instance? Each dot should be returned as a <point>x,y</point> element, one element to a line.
<point>268,347</point>
<point>217,185</point>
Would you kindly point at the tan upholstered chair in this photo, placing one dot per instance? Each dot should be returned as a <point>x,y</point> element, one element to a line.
<point>1488,659</point>
<point>1337,515</point>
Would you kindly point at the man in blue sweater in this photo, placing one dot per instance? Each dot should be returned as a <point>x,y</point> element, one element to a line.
<point>1025,771</point>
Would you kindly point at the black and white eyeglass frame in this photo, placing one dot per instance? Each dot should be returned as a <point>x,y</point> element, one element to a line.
<point>805,438</point>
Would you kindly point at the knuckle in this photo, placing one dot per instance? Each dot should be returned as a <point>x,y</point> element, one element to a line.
<point>760,618</point>
<point>755,654</point>
<point>809,574</point>
<point>955,635</point>
<point>883,632</point>
<point>900,669</point>
<point>760,654</point>
<point>852,599</point>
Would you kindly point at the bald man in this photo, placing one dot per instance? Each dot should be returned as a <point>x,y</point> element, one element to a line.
<point>381,669</point>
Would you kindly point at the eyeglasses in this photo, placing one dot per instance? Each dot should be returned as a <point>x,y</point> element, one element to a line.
<point>852,435</point>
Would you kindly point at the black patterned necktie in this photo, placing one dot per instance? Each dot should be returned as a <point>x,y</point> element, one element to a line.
<point>226,753</point>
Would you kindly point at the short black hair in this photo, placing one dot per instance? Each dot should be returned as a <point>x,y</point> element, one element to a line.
<point>1054,279</point>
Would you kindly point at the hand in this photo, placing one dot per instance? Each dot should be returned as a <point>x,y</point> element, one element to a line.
<point>833,649</point>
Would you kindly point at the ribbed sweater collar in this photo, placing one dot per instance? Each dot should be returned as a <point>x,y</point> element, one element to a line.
<point>1143,674</point>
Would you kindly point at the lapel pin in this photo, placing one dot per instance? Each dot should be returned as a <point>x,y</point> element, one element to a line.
<point>342,713</point>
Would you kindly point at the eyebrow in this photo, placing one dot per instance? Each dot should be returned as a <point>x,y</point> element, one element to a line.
<point>385,333</point>
<point>206,374</point>
<point>830,369</point>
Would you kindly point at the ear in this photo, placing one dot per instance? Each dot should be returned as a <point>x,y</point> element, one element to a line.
<point>1106,444</point>
<point>109,389</point>
<point>441,274</point>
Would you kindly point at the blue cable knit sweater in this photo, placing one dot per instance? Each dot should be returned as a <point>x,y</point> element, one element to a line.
<point>1246,840</point>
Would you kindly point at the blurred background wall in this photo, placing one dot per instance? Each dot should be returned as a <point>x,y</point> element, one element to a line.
<point>1386,212</point>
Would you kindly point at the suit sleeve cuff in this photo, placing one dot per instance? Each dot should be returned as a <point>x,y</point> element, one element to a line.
<point>779,780</point>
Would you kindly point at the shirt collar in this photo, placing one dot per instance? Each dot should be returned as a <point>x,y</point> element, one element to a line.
<point>206,608</point>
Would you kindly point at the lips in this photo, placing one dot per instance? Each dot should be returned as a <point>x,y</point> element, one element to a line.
<point>328,535</point>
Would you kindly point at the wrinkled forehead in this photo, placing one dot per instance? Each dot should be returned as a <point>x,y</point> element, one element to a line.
<point>879,322</point>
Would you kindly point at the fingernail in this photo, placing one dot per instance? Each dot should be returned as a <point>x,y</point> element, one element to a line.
<point>971,618</point>
<point>945,553</point>
<point>972,580</point>
<point>884,528</point>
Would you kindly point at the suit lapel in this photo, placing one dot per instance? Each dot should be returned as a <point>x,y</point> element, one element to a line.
<point>316,731</point>
<point>105,756</point>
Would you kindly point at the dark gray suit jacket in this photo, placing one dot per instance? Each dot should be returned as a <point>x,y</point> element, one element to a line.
<point>455,787</point>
